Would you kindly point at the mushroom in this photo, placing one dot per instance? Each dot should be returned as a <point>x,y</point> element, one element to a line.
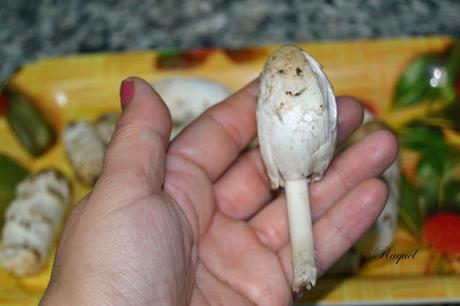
<point>381,235</point>
<point>297,129</point>
<point>85,150</point>
<point>188,98</point>
<point>33,221</point>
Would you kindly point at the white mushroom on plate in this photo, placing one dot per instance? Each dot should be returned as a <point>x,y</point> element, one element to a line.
<point>382,233</point>
<point>33,221</point>
<point>297,129</point>
<point>188,98</point>
<point>85,150</point>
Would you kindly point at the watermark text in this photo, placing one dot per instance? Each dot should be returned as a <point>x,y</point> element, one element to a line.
<point>389,254</point>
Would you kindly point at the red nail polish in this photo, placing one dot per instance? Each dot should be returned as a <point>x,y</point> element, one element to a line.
<point>126,92</point>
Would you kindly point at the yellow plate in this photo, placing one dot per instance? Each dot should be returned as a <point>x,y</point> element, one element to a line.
<point>85,86</point>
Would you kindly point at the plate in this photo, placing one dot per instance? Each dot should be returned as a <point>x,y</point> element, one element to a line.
<point>76,87</point>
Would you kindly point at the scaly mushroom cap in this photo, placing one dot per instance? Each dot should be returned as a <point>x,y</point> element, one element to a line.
<point>296,117</point>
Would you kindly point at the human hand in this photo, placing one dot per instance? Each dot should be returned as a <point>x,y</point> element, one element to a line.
<point>194,221</point>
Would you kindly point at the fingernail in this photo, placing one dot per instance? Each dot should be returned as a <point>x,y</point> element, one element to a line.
<point>126,92</point>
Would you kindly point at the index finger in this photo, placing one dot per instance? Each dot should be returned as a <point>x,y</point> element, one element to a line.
<point>214,140</point>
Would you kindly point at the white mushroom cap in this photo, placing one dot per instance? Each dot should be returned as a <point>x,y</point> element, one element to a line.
<point>297,117</point>
<point>188,98</point>
<point>85,150</point>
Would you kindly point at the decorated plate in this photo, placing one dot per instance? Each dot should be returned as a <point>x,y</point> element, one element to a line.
<point>408,84</point>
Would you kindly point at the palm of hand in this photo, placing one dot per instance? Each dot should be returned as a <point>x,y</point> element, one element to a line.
<point>194,226</point>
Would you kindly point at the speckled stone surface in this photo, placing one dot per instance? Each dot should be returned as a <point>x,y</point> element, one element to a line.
<point>34,29</point>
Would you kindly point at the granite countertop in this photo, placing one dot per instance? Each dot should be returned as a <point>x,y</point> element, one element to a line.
<point>30,30</point>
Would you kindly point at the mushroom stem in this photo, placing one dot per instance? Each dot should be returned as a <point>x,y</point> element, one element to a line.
<point>300,227</point>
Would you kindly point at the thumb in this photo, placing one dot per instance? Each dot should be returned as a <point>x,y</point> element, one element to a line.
<point>136,154</point>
